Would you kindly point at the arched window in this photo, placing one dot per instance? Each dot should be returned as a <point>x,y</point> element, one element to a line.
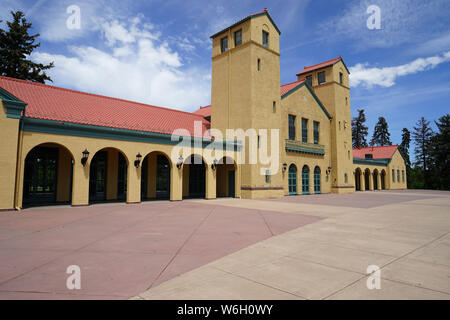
<point>316,180</point>
<point>292,179</point>
<point>305,180</point>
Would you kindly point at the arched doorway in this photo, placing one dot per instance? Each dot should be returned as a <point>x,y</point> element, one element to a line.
<point>226,178</point>
<point>367,179</point>
<point>317,180</point>
<point>375,179</point>
<point>383,180</point>
<point>108,176</point>
<point>292,179</point>
<point>155,176</point>
<point>305,180</point>
<point>48,175</point>
<point>194,177</point>
<point>358,179</point>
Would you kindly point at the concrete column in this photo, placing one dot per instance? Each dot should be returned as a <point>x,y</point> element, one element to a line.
<point>133,183</point>
<point>80,189</point>
<point>211,176</point>
<point>176,183</point>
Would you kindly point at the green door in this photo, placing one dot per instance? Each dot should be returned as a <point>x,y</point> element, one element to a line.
<point>122,178</point>
<point>231,183</point>
<point>316,180</point>
<point>40,174</point>
<point>197,179</point>
<point>305,180</point>
<point>292,179</point>
<point>97,177</point>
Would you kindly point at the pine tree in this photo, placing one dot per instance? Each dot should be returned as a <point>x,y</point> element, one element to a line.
<point>16,46</point>
<point>422,135</point>
<point>381,135</point>
<point>359,130</point>
<point>441,154</point>
<point>403,148</point>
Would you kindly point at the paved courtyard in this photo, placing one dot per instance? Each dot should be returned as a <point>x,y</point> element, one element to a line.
<point>300,247</point>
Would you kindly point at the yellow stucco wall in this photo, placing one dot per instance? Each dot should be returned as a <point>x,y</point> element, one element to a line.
<point>8,158</point>
<point>301,104</point>
<point>80,185</point>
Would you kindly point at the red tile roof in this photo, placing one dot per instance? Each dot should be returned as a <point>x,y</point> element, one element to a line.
<point>59,104</point>
<point>203,111</point>
<point>380,152</point>
<point>319,65</point>
<point>285,88</point>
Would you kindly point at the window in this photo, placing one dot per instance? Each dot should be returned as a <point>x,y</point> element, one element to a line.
<point>341,78</point>
<point>403,175</point>
<point>398,175</point>
<point>309,81</point>
<point>291,127</point>
<point>238,38</point>
<point>267,176</point>
<point>265,39</point>
<point>259,64</point>
<point>393,175</point>
<point>274,107</point>
<point>224,44</point>
<point>304,130</point>
<point>316,132</point>
<point>368,156</point>
<point>321,77</point>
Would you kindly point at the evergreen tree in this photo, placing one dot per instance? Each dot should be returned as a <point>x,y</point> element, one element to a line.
<point>403,148</point>
<point>381,135</point>
<point>359,130</point>
<point>16,46</point>
<point>422,135</point>
<point>440,143</point>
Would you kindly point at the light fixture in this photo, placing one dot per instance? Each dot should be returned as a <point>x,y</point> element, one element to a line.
<point>328,170</point>
<point>180,162</point>
<point>85,157</point>
<point>138,160</point>
<point>284,167</point>
<point>214,164</point>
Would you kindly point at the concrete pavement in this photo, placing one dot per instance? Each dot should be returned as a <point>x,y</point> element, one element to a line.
<point>405,233</point>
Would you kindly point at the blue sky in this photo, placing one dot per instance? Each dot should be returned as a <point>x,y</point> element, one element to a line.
<point>158,51</point>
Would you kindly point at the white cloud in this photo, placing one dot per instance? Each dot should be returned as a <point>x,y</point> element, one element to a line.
<point>362,74</point>
<point>135,65</point>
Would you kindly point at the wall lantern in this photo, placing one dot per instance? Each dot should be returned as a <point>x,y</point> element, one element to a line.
<point>85,157</point>
<point>214,164</point>
<point>284,167</point>
<point>138,160</point>
<point>180,162</point>
<point>328,170</point>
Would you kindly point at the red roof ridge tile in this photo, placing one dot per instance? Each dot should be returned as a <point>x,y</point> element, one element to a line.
<point>286,84</point>
<point>92,94</point>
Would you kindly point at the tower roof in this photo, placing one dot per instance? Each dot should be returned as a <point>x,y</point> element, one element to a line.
<point>258,14</point>
<point>323,65</point>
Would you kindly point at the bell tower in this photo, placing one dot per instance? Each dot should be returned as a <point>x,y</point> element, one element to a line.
<point>245,92</point>
<point>330,82</point>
